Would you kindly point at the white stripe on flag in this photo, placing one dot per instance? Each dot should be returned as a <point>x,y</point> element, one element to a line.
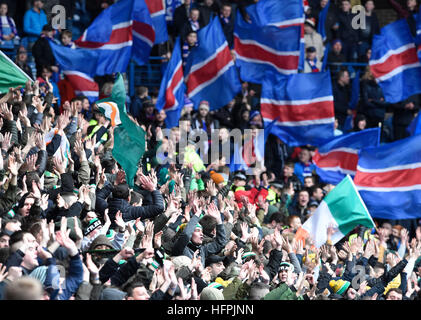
<point>392,52</point>
<point>390,189</point>
<point>116,46</point>
<point>153,15</point>
<point>266,48</point>
<point>295,102</point>
<point>87,93</point>
<point>318,224</point>
<point>400,69</point>
<point>302,123</point>
<point>393,168</point>
<point>287,22</point>
<point>143,38</point>
<point>344,171</point>
<point>209,82</point>
<point>344,149</point>
<point>283,71</point>
<point>122,25</point>
<point>203,63</point>
<point>79,74</point>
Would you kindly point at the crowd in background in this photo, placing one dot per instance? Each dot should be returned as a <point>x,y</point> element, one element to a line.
<point>72,228</point>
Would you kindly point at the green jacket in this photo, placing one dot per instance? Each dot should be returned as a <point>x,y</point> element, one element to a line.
<point>283,292</point>
<point>236,290</point>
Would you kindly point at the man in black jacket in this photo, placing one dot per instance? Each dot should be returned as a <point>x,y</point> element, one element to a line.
<point>341,97</point>
<point>403,114</point>
<point>347,33</point>
<point>181,16</point>
<point>120,200</point>
<point>227,23</point>
<point>42,51</point>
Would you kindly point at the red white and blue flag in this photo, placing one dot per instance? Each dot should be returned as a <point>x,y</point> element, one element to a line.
<point>388,179</point>
<point>271,41</point>
<point>250,155</point>
<point>83,85</point>
<point>394,62</point>
<point>173,88</point>
<point>339,156</point>
<point>122,31</point>
<point>210,70</point>
<point>157,12</point>
<point>303,103</point>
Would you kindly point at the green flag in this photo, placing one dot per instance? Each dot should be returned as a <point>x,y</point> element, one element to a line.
<point>10,74</point>
<point>129,138</point>
<point>343,209</point>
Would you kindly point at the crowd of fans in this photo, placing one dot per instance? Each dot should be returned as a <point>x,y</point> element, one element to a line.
<point>72,228</point>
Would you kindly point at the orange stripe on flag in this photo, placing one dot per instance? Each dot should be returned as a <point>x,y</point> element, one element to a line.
<point>301,235</point>
<point>113,113</point>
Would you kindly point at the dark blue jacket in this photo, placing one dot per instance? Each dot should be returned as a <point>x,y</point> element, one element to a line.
<point>371,104</point>
<point>129,212</point>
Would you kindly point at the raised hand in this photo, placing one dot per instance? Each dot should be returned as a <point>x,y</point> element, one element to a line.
<point>211,187</point>
<point>245,235</point>
<point>13,166</point>
<point>31,162</point>
<point>3,272</point>
<point>120,222</point>
<point>64,240</point>
<point>6,112</point>
<point>6,143</point>
<point>59,166</point>
<point>214,212</point>
<point>279,240</point>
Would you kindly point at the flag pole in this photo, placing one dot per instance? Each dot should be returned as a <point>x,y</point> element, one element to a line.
<point>380,133</point>
<point>23,72</point>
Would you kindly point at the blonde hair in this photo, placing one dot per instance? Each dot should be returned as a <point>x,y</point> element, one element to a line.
<point>368,75</point>
<point>24,288</point>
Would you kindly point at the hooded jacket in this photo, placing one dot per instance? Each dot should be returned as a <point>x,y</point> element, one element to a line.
<point>183,245</point>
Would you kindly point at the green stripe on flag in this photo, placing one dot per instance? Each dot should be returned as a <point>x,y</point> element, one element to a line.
<point>129,138</point>
<point>347,207</point>
<point>10,74</point>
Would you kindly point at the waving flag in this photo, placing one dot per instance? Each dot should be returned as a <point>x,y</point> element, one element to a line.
<point>251,152</point>
<point>11,75</point>
<point>272,41</point>
<point>343,209</point>
<point>304,104</point>
<point>122,31</point>
<point>210,69</point>
<point>157,12</point>
<point>172,90</point>
<point>388,178</point>
<point>83,85</point>
<point>129,138</point>
<point>339,157</point>
<point>144,33</point>
<point>394,62</point>
<point>415,127</point>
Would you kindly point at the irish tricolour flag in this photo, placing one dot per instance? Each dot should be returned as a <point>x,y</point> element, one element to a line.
<point>343,209</point>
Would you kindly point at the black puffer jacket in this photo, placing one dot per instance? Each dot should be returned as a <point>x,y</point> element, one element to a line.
<point>129,212</point>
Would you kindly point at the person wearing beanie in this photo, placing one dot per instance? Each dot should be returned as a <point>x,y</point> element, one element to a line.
<point>217,178</point>
<point>339,286</point>
<point>191,238</point>
<point>312,38</point>
<point>335,54</point>
<point>210,293</point>
<point>312,64</point>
